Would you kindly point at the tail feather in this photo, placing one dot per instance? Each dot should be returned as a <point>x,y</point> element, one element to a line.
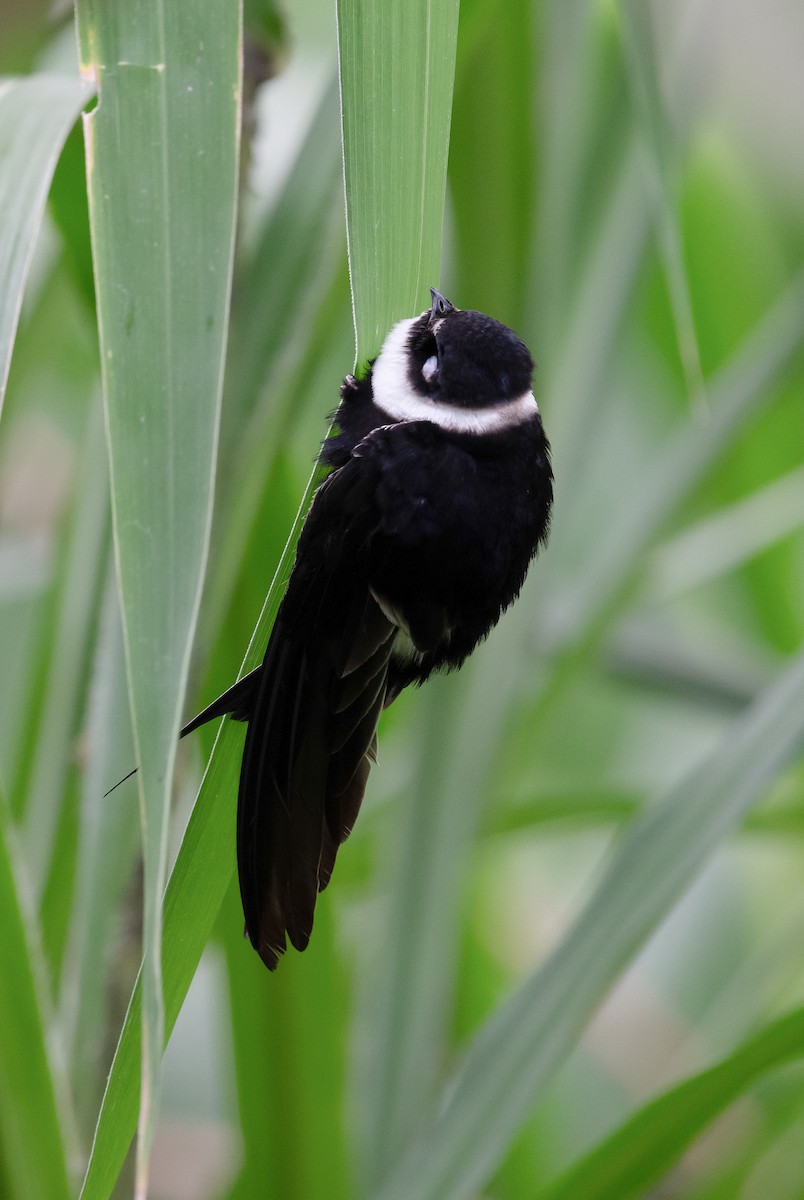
<point>305,759</point>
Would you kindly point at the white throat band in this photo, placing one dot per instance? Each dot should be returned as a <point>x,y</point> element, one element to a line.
<point>394,395</point>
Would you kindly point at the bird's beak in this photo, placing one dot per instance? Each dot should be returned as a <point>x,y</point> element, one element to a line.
<point>441,306</point>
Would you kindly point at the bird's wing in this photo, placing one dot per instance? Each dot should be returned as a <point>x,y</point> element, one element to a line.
<point>236,701</point>
<point>313,720</point>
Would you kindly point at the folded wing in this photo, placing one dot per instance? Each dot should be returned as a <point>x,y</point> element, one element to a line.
<point>313,721</point>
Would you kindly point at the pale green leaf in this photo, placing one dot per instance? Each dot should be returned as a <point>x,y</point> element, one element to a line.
<point>35,117</point>
<point>397,65</point>
<point>107,850</point>
<point>40,787</point>
<point>662,174</point>
<point>30,1126</point>
<point>162,161</point>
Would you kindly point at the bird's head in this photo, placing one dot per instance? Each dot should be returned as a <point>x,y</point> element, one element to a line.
<point>455,367</point>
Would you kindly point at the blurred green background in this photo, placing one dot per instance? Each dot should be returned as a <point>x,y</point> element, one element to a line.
<point>561,954</point>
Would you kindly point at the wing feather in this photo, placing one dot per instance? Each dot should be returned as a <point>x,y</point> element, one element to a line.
<point>314,717</point>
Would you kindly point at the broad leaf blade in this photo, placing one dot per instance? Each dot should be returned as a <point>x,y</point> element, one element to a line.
<point>162,162</point>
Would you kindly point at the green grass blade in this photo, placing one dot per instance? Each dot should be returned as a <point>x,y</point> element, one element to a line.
<point>35,117</point>
<point>30,1130</point>
<point>493,125</point>
<point>411,998</point>
<point>40,790</point>
<point>640,57</point>
<point>105,860</point>
<point>275,311</point>
<point>642,1149</point>
<point>566,127</point>
<point>284,1038</point>
<point>299,245</point>
<point>397,64</point>
<point>595,317</point>
<point>517,1051</point>
<point>162,164</point>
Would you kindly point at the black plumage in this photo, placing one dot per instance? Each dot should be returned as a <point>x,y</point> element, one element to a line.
<point>421,535</point>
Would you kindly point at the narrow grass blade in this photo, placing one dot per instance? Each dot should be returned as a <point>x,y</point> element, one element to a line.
<point>106,854</point>
<point>493,125</point>
<point>397,64</point>
<point>566,127</point>
<point>518,1050</point>
<point>594,319</point>
<point>411,999</point>
<point>35,117</point>
<point>41,786</point>
<point>275,315</point>
<point>290,1056</point>
<point>32,1137</point>
<point>162,165</point>
<point>299,246</point>
<point>640,58</point>
<point>642,1149</point>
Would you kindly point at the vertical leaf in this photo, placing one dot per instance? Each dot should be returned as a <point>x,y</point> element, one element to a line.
<point>106,853</point>
<point>640,58</point>
<point>162,164</point>
<point>493,125</point>
<point>397,64</point>
<point>30,1129</point>
<point>35,118</point>
<point>284,1038</point>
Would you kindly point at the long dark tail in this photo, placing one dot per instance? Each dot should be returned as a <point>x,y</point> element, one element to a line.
<point>310,743</point>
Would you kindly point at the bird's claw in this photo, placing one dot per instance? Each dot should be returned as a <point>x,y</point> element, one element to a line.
<point>349,384</point>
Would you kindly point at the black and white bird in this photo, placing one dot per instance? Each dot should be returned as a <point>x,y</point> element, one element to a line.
<point>438,498</point>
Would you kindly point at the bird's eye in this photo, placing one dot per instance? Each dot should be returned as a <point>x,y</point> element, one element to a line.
<point>430,368</point>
